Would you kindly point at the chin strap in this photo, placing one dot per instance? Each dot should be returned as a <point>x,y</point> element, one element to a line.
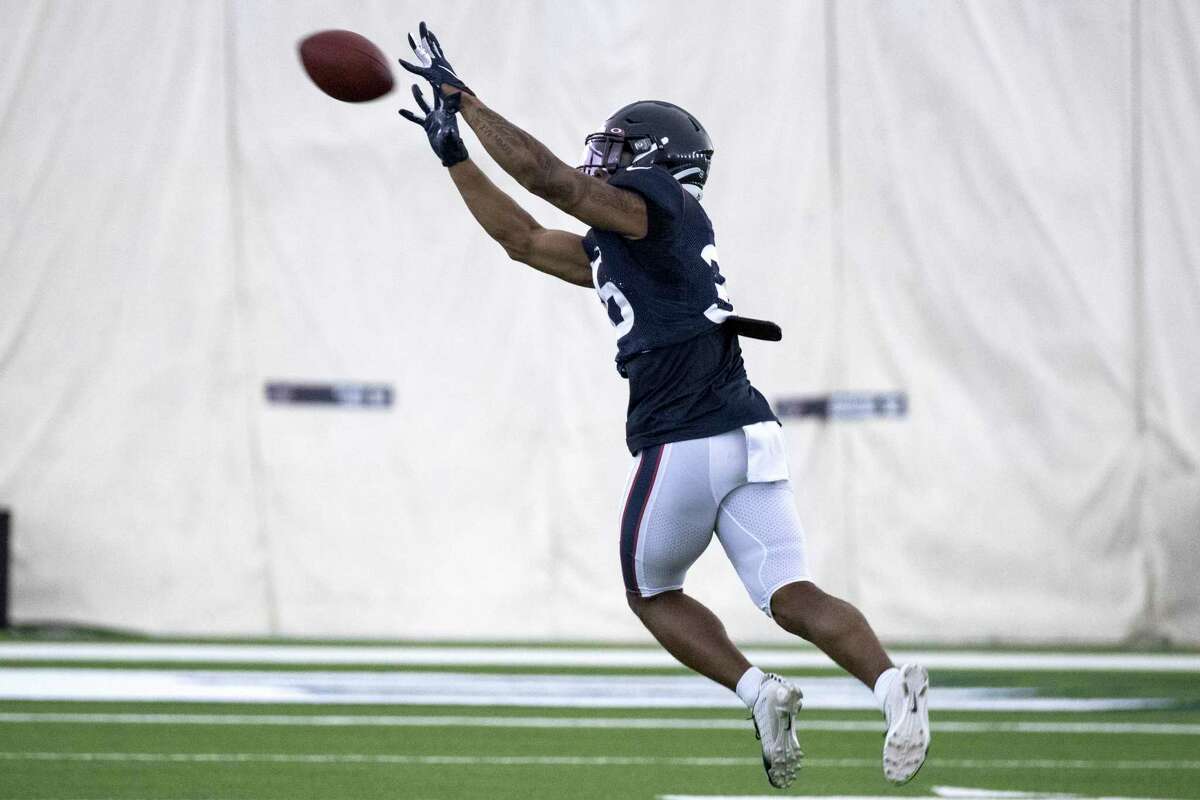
<point>694,190</point>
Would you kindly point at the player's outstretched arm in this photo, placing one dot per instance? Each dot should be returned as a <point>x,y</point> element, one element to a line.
<point>588,199</point>
<point>530,162</point>
<point>556,253</point>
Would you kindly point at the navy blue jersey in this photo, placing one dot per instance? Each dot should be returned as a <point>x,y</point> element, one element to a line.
<point>666,297</point>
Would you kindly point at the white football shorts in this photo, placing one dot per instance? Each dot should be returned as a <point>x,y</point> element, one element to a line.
<point>734,484</point>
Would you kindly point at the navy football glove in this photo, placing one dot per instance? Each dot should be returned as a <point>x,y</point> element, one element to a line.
<point>434,66</point>
<point>441,126</point>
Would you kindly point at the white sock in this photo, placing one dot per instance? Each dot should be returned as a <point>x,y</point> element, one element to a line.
<point>883,685</point>
<point>747,686</point>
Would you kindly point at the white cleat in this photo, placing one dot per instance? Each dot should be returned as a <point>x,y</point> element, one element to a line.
<point>907,740</point>
<point>775,723</point>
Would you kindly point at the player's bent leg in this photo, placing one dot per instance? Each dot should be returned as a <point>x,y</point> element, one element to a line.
<point>760,531</point>
<point>832,624</point>
<point>692,634</point>
<point>668,519</point>
<point>841,631</point>
<point>695,636</point>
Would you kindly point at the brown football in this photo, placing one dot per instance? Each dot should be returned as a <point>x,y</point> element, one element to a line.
<point>346,66</point>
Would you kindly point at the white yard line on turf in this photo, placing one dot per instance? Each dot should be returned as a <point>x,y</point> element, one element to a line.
<point>983,795</point>
<point>412,687</point>
<point>610,723</point>
<point>979,794</point>
<point>530,656</point>
<point>577,761</point>
<point>968,793</point>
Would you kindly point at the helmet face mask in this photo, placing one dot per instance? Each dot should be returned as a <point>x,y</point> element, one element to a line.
<point>602,154</point>
<point>607,152</point>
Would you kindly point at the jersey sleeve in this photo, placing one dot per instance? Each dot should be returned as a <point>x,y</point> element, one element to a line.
<point>663,194</point>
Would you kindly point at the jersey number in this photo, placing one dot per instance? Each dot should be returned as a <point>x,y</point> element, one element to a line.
<point>721,310</point>
<point>620,312</point>
<point>618,308</point>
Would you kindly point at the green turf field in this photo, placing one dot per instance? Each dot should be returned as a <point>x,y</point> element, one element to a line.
<point>400,748</point>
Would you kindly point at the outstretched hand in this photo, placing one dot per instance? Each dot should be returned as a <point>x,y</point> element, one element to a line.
<point>440,124</point>
<point>434,66</point>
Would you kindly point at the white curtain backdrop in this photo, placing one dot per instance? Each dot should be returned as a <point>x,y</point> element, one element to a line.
<point>989,205</point>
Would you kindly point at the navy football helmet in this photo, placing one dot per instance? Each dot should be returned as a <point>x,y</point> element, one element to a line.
<point>651,132</point>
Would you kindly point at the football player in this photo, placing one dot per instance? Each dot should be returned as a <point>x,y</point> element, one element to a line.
<point>708,451</point>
